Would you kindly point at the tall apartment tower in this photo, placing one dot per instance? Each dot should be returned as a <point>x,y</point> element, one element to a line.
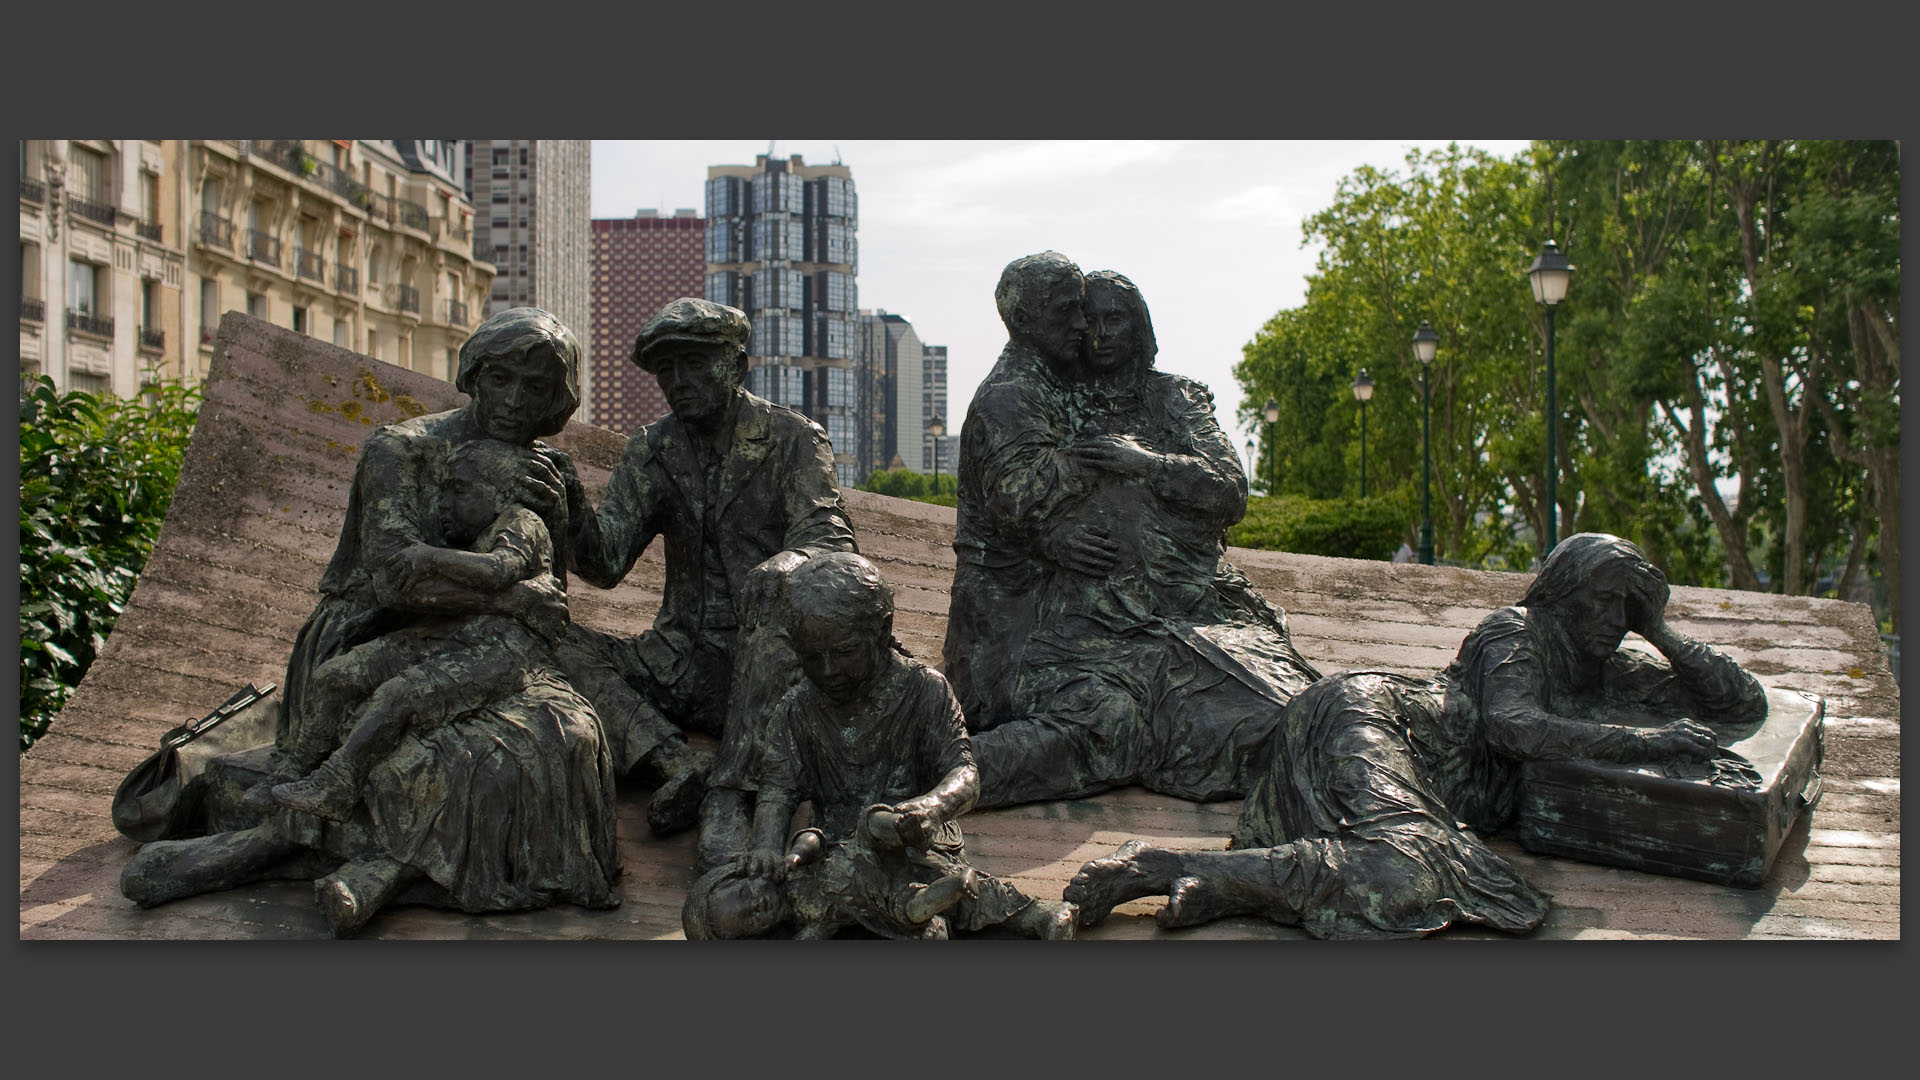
<point>890,360</point>
<point>933,385</point>
<point>533,203</point>
<point>781,246</point>
<point>133,249</point>
<point>640,264</point>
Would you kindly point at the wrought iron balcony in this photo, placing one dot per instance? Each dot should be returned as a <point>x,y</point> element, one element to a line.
<point>310,265</point>
<point>456,313</point>
<point>153,340</point>
<point>95,211</point>
<point>33,310</point>
<point>33,190</point>
<point>88,324</point>
<point>409,298</point>
<point>263,247</point>
<point>216,231</point>
<point>346,278</point>
<point>454,230</point>
<point>412,214</point>
<point>342,183</point>
<point>286,153</point>
<point>148,229</point>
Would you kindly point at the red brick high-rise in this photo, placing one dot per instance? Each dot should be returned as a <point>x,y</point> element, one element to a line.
<point>639,265</point>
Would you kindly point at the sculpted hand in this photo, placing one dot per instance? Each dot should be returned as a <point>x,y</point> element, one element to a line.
<point>543,607</point>
<point>883,828</point>
<point>1115,454</point>
<point>766,865</point>
<point>1683,738</point>
<point>550,483</point>
<point>916,824</point>
<point>1084,549</point>
<point>757,604</point>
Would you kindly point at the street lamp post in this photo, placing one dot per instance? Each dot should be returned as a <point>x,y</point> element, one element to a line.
<point>1273,451</point>
<point>1425,344</point>
<point>936,429</point>
<point>1363,392</point>
<point>1252,449</point>
<point>1549,273</point>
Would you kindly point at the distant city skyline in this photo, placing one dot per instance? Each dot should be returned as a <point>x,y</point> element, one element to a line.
<point>1209,231</point>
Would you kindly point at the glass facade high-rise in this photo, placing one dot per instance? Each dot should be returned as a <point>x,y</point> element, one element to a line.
<point>781,245</point>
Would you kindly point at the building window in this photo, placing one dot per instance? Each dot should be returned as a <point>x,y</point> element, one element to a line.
<point>299,320</point>
<point>89,174</point>
<point>453,364</point>
<point>499,195</point>
<point>149,198</point>
<point>149,292</point>
<point>84,294</point>
<point>29,270</point>
<point>209,308</point>
<point>501,155</point>
<point>256,305</point>
<point>340,332</point>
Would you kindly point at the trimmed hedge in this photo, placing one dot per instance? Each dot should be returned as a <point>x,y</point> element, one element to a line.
<point>1348,528</point>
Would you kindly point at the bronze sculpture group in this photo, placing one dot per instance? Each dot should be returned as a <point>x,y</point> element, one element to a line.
<point>448,736</point>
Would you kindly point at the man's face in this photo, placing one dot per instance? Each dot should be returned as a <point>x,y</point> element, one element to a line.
<point>1061,330</point>
<point>698,378</point>
<point>467,505</point>
<point>1604,608</point>
<point>509,399</point>
<point>840,660</point>
<point>1115,338</point>
<point>743,908</point>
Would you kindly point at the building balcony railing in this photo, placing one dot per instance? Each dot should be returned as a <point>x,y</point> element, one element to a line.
<point>482,253</point>
<point>263,247</point>
<point>153,340</point>
<point>346,278</point>
<point>33,190</point>
<point>94,211</point>
<point>88,324</point>
<point>216,231</point>
<point>341,183</point>
<point>408,298</point>
<point>454,230</point>
<point>33,310</point>
<point>456,313</point>
<point>309,265</point>
<point>286,153</point>
<point>412,214</point>
<point>380,206</point>
<point>148,229</point>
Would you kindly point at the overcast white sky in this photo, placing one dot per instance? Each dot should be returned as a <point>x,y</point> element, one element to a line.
<point>1210,231</point>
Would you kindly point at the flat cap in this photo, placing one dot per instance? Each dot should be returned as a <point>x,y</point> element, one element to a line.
<point>693,319</point>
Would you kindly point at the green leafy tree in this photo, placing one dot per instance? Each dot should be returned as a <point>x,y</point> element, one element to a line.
<point>96,476</point>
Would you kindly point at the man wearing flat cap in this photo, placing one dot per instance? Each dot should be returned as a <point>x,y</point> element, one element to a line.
<point>742,490</point>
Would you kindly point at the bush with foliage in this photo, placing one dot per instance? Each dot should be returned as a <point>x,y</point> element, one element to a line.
<point>907,484</point>
<point>96,476</point>
<point>1348,528</point>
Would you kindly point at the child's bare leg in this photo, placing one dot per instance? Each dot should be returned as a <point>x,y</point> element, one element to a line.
<point>171,869</point>
<point>939,897</point>
<point>352,894</point>
<point>333,790</point>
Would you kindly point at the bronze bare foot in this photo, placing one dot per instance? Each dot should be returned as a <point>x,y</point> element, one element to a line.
<point>1137,869</point>
<point>1046,920</point>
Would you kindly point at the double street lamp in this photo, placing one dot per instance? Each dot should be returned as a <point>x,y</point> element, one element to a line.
<point>1363,392</point>
<point>1272,412</point>
<point>1425,344</point>
<point>1550,273</point>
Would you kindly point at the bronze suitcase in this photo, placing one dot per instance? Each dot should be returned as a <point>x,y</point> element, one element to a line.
<point>1642,818</point>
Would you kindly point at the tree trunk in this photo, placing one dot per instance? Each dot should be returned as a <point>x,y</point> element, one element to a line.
<point>1733,532</point>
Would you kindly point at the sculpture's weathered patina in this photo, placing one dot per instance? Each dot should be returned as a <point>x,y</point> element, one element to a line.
<point>1365,822</point>
<point>508,804</point>
<point>1095,494</point>
<point>742,491</point>
<point>875,741</point>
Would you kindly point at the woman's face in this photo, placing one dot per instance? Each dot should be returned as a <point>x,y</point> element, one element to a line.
<point>1603,611</point>
<point>510,399</point>
<point>1115,338</point>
